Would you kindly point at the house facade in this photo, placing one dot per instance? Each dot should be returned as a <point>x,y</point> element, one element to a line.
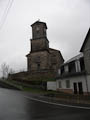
<point>74,75</point>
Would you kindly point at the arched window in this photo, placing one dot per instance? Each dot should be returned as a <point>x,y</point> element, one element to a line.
<point>38,66</point>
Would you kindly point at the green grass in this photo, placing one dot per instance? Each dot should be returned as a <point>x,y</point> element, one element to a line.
<point>24,87</point>
<point>49,93</point>
<point>12,84</point>
<point>33,90</point>
<point>54,94</point>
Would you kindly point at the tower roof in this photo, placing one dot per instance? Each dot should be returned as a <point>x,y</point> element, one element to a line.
<point>39,22</point>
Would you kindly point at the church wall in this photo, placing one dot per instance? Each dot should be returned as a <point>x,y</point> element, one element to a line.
<point>39,44</point>
<point>55,59</point>
<point>42,58</point>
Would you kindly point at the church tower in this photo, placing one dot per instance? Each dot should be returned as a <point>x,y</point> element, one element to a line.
<point>39,39</point>
<point>38,58</point>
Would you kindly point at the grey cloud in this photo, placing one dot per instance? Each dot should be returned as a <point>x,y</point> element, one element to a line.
<point>67,20</point>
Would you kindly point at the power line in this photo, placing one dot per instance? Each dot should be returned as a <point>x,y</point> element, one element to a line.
<point>6,11</point>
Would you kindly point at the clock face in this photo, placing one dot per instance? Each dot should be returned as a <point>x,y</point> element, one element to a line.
<point>37,28</point>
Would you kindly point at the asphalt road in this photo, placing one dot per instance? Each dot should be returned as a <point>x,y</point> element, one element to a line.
<point>14,106</point>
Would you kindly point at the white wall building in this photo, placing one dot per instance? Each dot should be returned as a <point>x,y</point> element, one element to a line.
<point>74,75</point>
<point>51,85</point>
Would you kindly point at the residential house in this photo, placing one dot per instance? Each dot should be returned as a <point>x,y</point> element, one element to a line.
<point>74,75</point>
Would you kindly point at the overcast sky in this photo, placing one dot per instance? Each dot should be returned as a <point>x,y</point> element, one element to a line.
<point>67,20</point>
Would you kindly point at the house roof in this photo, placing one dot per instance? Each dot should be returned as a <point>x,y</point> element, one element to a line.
<point>39,22</point>
<point>85,41</point>
<point>51,49</point>
<point>73,59</point>
<point>54,49</point>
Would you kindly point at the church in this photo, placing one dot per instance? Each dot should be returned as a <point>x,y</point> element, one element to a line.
<point>42,62</point>
<point>42,58</point>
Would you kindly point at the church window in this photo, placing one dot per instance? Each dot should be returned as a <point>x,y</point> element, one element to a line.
<point>38,66</point>
<point>38,59</point>
<point>45,32</point>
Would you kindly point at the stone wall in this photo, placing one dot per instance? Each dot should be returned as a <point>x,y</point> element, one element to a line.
<point>38,61</point>
<point>45,60</point>
<point>39,44</point>
<point>56,59</point>
<point>33,76</point>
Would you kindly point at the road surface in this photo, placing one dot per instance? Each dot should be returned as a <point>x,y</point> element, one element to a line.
<point>15,106</point>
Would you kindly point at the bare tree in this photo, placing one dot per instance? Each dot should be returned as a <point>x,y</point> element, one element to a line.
<point>11,71</point>
<point>5,70</point>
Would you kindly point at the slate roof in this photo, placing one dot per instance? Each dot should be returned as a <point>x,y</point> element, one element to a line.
<point>39,22</point>
<point>73,59</point>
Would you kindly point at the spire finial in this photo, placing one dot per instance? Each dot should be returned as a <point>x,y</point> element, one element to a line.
<point>38,20</point>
